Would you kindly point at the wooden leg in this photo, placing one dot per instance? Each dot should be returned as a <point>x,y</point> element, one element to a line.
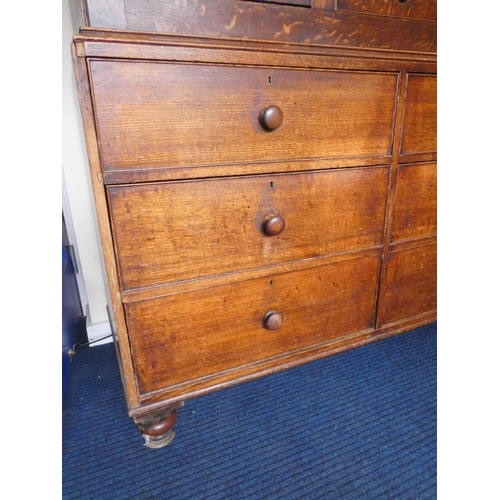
<point>156,426</point>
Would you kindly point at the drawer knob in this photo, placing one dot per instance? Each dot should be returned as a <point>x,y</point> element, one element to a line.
<point>273,320</point>
<point>274,225</point>
<point>271,117</point>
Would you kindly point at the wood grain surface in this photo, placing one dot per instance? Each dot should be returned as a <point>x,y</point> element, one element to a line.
<point>152,115</point>
<point>268,21</point>
<point>420,123</point>
<point>238,241</point>
<point>416,9</point>
<point>409,285</point>
<point>415,211</point>
<point>180,230</point>
<point>184,337</point>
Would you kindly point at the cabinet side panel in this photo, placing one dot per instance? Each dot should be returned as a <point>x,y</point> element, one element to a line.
<point>117,314</point>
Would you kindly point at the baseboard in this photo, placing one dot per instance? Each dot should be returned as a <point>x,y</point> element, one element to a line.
<point>99,333</point>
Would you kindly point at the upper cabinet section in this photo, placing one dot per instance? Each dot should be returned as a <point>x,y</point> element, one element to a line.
<point>420,121</point>
<point>368,24</point>
<point>414,9</point>
<point>162,115</point>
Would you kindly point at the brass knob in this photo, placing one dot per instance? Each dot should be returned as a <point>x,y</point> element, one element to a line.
<point>271,117</point>
<point>273,320</point>
<point>274,225</point>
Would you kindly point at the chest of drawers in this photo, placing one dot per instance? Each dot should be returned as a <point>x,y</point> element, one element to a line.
<point>265,183</point>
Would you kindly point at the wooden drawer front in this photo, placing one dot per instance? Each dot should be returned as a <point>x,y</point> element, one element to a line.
<point>165,115</point>
<point>179,230</point>
<point>420,121</point>
<point>415,212</point>
<point>183,337</point>
<point>410,284</point>
<point>416,9</point>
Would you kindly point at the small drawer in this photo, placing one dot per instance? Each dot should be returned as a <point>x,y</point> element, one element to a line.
<point>170,231</point>
<point>410,284</point>
<point>160,115</point>
<point>420,119</point>
<point>415,211</point>
<point>425,10</point>
<point>184,337</point>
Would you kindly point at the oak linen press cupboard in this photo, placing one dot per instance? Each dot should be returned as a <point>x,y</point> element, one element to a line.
<point>265,182</point>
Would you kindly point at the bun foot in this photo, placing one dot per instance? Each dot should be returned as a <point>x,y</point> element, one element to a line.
<point>157,427</point>
<point>159,441</point>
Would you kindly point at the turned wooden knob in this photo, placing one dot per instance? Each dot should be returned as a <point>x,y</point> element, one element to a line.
<point>273,320</point>
<point>271,117</point>
<point>274,225</point>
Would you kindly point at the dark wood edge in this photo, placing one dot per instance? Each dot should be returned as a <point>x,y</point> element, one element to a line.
<point>402,245</point>
<point>406,324</point>
<point>114,295</point>
<point>156,174</point>
<point>154,292</point>
<point>85,13</point>
<point>424,157</point>
<point>89,36</point>
<point>393,179</point>
<point>387,16</point>
<point>198,55</point>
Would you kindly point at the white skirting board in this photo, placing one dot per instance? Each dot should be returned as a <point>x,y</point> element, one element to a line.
<point>98,331</point>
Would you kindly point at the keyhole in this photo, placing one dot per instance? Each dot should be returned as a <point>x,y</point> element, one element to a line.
<point>271,185</point>
<point>270,78</point>
<point>271,283</point>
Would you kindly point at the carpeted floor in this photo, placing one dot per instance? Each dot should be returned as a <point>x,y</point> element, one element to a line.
<point>357,425</point>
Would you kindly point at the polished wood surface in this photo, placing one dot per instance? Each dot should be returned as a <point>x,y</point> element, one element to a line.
<point>179,230</point>
<point>265,176</point>
<point>183,115</point>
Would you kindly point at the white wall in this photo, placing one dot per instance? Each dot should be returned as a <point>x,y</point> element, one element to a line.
<point>78,204</point>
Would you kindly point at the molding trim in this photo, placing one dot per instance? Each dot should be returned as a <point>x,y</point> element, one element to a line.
<point>96,331</point>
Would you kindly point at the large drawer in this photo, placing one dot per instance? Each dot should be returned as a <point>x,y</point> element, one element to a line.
<point>172,231</point>
<point>161,115</point>
<point>187,336</point>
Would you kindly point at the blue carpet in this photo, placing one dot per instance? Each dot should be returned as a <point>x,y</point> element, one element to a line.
<point>357,425</point>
